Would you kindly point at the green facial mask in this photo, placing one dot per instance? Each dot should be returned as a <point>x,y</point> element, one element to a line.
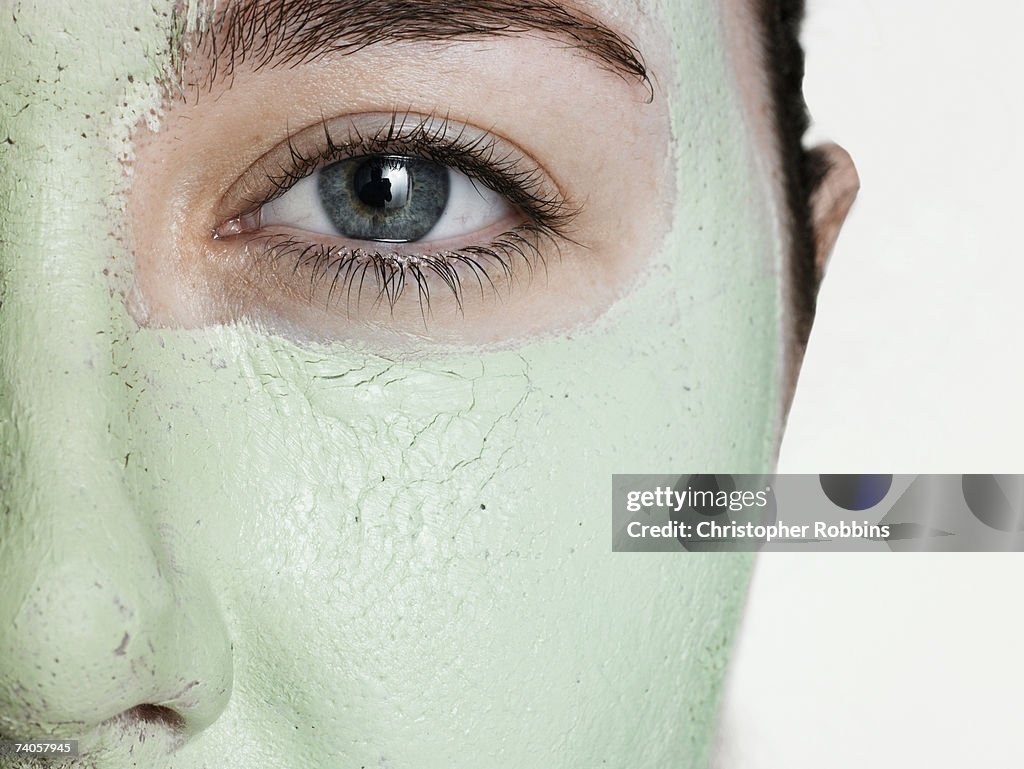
<point>320,557</point>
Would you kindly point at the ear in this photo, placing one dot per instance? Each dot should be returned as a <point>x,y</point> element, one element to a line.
<point>835,186</point>
<point>831,201</point>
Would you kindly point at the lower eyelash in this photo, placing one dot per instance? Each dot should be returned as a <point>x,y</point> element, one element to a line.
<point>346,270</point>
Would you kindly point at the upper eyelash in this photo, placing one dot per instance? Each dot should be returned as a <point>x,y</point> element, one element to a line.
<point>478,158</point>
<point>548,215</point>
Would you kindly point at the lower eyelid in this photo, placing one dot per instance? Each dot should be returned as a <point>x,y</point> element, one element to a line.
<point>261,232</point>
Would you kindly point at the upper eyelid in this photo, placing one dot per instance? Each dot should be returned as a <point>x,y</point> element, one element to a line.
<point>302,152</point>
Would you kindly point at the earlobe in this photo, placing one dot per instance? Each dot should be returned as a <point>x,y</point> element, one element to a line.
<point>831,201</point>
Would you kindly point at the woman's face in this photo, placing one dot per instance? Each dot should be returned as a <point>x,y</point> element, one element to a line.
<point>330,503</point>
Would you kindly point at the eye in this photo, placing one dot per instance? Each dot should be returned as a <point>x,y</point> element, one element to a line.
<point>388,199</point>
<point>381,203</point>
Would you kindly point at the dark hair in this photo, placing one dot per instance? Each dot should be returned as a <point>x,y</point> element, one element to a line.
<point>780,22</point>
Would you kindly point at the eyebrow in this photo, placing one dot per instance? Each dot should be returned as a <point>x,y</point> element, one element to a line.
<point>288,33</point>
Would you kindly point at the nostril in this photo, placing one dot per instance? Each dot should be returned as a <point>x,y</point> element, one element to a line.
<point>155,715</point>
<point>163,728</point>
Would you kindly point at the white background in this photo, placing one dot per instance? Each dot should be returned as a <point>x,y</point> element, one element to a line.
<point>915,365</point>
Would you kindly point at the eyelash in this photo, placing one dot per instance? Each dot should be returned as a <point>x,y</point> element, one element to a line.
<point>548,216</point>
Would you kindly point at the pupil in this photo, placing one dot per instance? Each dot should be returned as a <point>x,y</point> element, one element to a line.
<point>382,183</point>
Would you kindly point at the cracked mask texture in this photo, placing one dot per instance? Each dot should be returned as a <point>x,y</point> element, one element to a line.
<point>320,557</point>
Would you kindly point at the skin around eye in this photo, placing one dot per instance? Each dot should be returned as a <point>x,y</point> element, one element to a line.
<point>554,204</point>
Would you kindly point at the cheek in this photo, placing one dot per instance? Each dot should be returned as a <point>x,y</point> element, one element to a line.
<point>448,527</point>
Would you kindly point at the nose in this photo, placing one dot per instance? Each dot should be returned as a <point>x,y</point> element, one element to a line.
<point>97,620</point>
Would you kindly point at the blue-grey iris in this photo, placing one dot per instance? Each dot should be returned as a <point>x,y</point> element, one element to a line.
<point>386,198</point>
